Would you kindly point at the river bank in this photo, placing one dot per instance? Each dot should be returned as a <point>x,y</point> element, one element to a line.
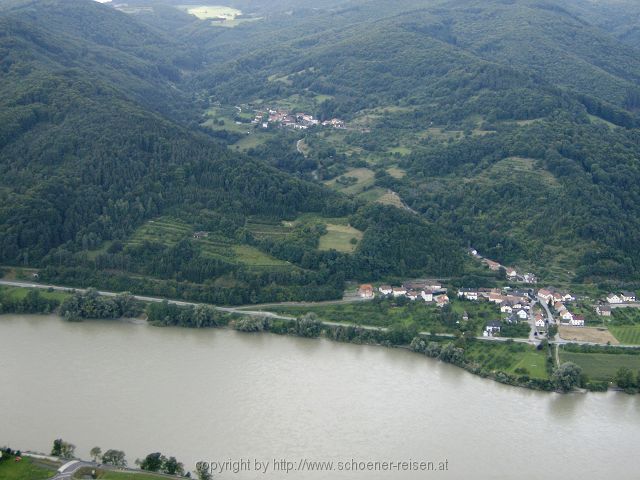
<point>510,361</point>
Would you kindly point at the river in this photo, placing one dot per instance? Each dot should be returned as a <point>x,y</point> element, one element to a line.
<point>216,395</point>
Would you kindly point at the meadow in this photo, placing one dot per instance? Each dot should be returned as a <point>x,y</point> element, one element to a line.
<point>626,334</point>
<point>26,469</point>
<point>601,366</point>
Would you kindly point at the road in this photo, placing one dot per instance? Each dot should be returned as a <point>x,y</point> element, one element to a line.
<point>243,310</point>
<point>144,298</point>
<point>70,468</point>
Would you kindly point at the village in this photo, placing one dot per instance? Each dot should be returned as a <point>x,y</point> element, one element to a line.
<point>540,308</point>
<point>281,118</point>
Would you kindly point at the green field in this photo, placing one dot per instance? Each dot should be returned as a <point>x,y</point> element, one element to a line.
<point>23,470</point>
<point>626,334</point>
<point>18,293</point>
<point>339,237</point>
<point>364,176</point>
<point>508,357</point>
<point>601,366</point>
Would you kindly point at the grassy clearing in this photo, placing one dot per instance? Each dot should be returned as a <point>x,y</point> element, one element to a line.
<point>601,366</point>
<point>508,357</point>
<point>220,15</point>
<point>626,334</point>
<point>18,293</point>
<point>23,470</point>
<point>396,172</point>
<point>253,257</point>
<point>364,178</point>
<point>205,12</point>
<point>340,238</point>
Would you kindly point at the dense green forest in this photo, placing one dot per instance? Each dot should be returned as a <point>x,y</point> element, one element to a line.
<point>511,126</point>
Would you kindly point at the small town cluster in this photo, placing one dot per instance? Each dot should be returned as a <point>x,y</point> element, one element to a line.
<point>411,290</point>
<point>298,121</point>
<point>537,308</point>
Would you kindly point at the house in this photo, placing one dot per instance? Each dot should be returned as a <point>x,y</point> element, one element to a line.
<point>496,298</point>
<point>399,291</point>
<point>200,234</point>
<point>412,295</point>
<point>546,294</point>
<point>530,278</point>
<point>506,308</point>
<point>567,297</point>
<point>495,266</point>
<point>366,291</point>
<point>522,294</point>
<point>473,252</point>
<point>442,300</point>
<point>465,316</point>
<point>567,315</point>
<point>491,328</point>
<point>577,321</point>
<point>385,289</point>
<point>613,298</point>
<point>427,295</point>
<point>539,320</point>
<point>603,310</point>
<point>522,314</point>
<point>559,307</point>
<point>468,293</point>
<point>628,296</point>
<point>511,273</point>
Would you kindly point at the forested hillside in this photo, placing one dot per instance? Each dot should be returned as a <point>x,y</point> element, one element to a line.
<point>511,124</point>
<point>105,175</point>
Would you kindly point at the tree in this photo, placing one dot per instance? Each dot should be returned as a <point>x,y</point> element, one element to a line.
<point>115,458</point>
<point>173,467</point>
<point>567,376</point>
<point>96,453</point>
<point>624,378</point>
<point>202,471</point>
<point>63,449</point>
<point>153,462</point>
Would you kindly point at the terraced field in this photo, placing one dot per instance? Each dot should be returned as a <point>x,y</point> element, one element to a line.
<point>261,228</point>
<point>169,231</point>
<point>165,230</point>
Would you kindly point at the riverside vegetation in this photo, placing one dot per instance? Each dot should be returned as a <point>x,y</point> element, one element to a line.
<point>507,362</point>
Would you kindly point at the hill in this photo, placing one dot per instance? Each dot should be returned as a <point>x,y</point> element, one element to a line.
<point>450,93</point>
<point>105,178</point>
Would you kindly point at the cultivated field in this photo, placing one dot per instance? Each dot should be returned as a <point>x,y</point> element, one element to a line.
<point>205,12</point>
<point>169,231</point>
<point>587,334</point>
<point>601,366</point>
<point>626,334</point>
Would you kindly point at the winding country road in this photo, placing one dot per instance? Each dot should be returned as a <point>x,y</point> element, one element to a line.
<point>244,310</point>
